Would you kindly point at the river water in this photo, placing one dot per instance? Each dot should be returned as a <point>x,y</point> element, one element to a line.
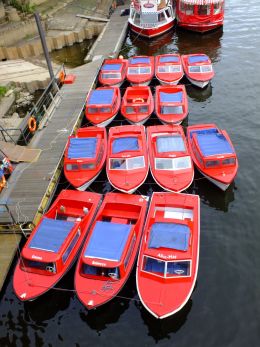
<point>224,309</point>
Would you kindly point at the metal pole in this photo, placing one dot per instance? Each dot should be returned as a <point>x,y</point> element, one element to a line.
<point>44,45</point>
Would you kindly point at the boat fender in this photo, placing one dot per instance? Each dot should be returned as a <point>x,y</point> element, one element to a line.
<point>138,100</point>
<point>32,124</point>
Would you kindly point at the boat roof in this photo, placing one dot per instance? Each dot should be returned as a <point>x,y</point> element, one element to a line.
<point>125,144</point>
<point>170,143</point>
<point>197,59</point>
<point>101,97</point>
<point>169,235</point>
<point>169,59</point>
<point>211,142</point>
<point>82,147</point>
<point>139,60</point>
<point>108,241</point>
<point>171,97</point>
<point>51,234</point>
<point>109,67</point>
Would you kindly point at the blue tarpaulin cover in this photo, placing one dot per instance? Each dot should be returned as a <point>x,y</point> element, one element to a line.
<point>169,144</point>
<point>111,67</point>
<point>170,59</point>
<point>214,144</point>
<point>140,60</point>
<point>51,234</point>
<point>108,240</point>
<point>171,97</point>
<point>125,144</point>
<point>82,148</point>
<point>169,235</point>
<point>101,97</point>
<point>197,59</point>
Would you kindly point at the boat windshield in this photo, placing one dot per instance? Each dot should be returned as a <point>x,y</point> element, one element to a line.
<point>37,265</point>
<point>139,70</point>
<point>88,166</point>
<point>200,69</point>
<point>211,163</point>
<point>104,109</point>
<point>90,270</point>
<point>171,109</point>
<point>169,68</point>
<point>166,269</point>
<point>181,163</point>
<point>72,167</point>
<point>127,164</point>
<point>111,75</point>
<point>136,109</point>
<point>229,161</point>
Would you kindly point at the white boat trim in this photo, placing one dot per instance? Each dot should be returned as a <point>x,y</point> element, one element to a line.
<point>88,183</point>
<point>222,186</point>
<point>200,84</point>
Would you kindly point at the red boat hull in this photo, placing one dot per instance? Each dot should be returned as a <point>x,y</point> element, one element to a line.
<point>152,32</point>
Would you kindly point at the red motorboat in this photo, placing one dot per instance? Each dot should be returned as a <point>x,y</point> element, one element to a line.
<point>127,158</point>
<point>151,18</point>
<point>168,69</point>
<point>169,254</point>
<point>140,70</point>
<point>213,153</point>
<point>110,250</point>
<point>198,69</point>
<point>137,104</point>
<point>102,105</point>
<point>85,156</point>
<point>54,244</point>
<point>171,104</point>
<point>170,161</point>
<point>113,72</point>
<point>200,16</point>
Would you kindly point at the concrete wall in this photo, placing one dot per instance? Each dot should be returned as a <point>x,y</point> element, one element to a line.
<point>34,48</point>
<point>18,31</point>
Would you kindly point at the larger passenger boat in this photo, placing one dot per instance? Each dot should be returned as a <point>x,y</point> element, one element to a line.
<point>150,18</point>
<point>200,15</point>
<point>213,153</point>
<point>54,244</point>
<point>168,259</point>
<point>109,253</point>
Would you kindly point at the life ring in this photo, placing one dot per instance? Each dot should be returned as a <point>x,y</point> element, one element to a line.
<point>2,183</point>
<point>62,76</point>
<point>138,100</point>
<point>32,124</point>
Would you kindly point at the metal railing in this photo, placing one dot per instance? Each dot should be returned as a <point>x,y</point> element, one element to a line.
<point>40,110</point>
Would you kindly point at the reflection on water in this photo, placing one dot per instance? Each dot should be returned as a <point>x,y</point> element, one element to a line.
<point>198,94</point>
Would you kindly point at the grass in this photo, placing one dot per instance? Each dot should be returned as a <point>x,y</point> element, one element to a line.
<point>3,90</point>
<point>23,7</point>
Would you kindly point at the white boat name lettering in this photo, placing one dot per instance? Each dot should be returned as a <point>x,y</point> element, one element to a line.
<point>170,256</point>
<point>36,257</point>
<point>97,263</point>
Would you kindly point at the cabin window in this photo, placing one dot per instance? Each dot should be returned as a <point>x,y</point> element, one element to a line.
<point>100,271</point>
<point>135,163</point>
<point>206,68</point>
<point>154,266</point>
<point>137,18</point>
<point>163,164</point>
<point>139,70</point>
<point>181,163</point>
<point>130,251</point>
<point>211,163</point>
<point>194,69</point>
<point>229,161</point>
<point>100,155</point>
<point>217,8</point>
<point>88,166</point>
<point>167,12</point>
<point>92,110</point>
<point>70,247</point>
<point>143,109</point>
<point>161,17</point>
<point>72,167</point>
<point>178,268</point>
<point>169,68</point>
<point>130,110</point>
<point>171,110</point>
<point>189,9</point>
<point>111,76</point>
<point>203,10</point>
<point>38,265</point>
<point>118,164</point>
<point>104,109</point>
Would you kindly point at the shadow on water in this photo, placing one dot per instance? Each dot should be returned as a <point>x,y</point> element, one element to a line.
<point>196,93</point>
<point>161,329</point>
<point>110,313</point>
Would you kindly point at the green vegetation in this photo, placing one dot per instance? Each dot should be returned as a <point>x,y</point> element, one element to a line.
<point>23,6</point>
<point>3,90</point>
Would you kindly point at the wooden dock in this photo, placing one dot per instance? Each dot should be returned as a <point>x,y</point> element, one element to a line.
<point>32,185</point>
